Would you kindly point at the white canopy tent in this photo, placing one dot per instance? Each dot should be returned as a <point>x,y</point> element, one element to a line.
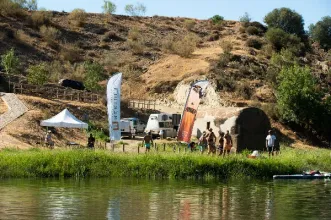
<point>65,120</point>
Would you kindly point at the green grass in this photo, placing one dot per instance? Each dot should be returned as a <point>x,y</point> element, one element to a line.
<point>87,163</point>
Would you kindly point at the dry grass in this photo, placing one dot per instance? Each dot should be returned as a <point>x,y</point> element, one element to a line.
<point>70,53</point>
<point>189,24</point>
<point>227,46</point>
<point>21,36</point>
<point>50,34</point>
<point>40,18</point>
<point>78,17</point>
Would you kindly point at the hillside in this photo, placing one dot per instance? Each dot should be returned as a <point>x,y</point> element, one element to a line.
<point>156,54</point>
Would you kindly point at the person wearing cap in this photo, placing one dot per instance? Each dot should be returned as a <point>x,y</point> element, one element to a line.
<point>211,139</point>
<point>227,143</point>
<point>48,139</point>
<point>270,143</point>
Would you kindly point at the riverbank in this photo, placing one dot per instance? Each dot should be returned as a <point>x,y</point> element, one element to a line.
<point>99,163</point>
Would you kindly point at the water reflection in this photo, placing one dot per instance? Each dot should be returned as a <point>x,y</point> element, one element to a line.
<point>147,199</point>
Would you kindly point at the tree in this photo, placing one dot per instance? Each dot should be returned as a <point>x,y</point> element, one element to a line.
<point>217,19</point>
<point>279,39</point>
<point>93,74</point>
<point>38,74</point>
<point>286,19</point>
<point>297,97</point>
<point>321,32</point>
<point>10,63</point>
<point>135,10</point>
<point>109,7</point>
<point>245,19</point>
<point>32,5</point>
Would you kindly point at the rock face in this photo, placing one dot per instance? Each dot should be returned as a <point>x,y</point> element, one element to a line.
<point>248,126</point>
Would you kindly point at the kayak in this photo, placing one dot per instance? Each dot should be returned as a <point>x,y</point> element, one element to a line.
<point>303,176</point>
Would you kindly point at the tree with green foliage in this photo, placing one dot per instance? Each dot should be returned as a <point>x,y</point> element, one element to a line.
<point>135,10</point>
<point>217,19</point>
<point>245,19</point>
<point>321,32</point>
<point>285,58</point>
<point>279,39</point>
<point>109,7</point>
<point>10,63</point>
<point>298,98</point>
<point>93,74</point>
<point>38,74</point>
<point>286,19</point>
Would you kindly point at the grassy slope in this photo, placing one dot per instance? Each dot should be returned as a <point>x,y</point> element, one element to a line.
<point>86,163</point>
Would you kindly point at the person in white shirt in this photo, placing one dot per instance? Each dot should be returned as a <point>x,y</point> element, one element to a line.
<point>270,143</point>
<point>161,133</point>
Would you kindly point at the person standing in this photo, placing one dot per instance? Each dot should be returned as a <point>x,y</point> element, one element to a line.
<point>270,143</point>
<point>211,138</point>
<point>147,142</point>
<point>203,142</point>
<point>90,142</point>
<point>221,144</point>
<point>227,143</point>
<point>161,133</point>
<point>133,133</point>
<point>48,139</point>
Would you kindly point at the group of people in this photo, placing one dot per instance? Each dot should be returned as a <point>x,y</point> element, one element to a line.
<point>208,140</point>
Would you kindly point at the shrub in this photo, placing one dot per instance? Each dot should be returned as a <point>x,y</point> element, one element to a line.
<point>189,24</point>
<point>70,53</point>
<point>186,46</point>
<point>254,42</point>
<point>224,59</point>
<point>111,36</point>
<point>39,18</point>
<point>225,83</point>
<point>78,17</point>
<point>50,34</point>
<point>234,64</point>
<point>279,39</point>
<point>10,63</point>
<point>109,7</point>
<point>134,34</point>
<point>267,50</point>
<point>251,30</point>
<point>137,47</point>
<point>283,59</point>
<point>135,10</point>
<point>245,19</point>
<point>286,19</point>
<point>214,37</point>
<point>244,90</point>
<point>217,19</point>
<point>321,32</point>
<point>56,71</point>
<point>227,46</point>
<point>9,8</point>
<point>38,74</point>
<point>93,74</point>
<point>242,30</point>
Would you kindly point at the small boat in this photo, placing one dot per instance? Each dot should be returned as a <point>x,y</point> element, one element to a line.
<point>305,175</point>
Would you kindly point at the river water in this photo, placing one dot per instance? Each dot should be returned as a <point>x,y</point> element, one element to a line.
<point>166,199</point>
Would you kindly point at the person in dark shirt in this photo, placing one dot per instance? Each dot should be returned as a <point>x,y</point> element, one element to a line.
<point>90,141</point>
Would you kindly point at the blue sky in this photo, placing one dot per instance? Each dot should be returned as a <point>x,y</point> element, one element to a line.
<point>311,10</point>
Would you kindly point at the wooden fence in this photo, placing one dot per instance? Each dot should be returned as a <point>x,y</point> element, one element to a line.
<point>142,104</point>
<point>56,93</point>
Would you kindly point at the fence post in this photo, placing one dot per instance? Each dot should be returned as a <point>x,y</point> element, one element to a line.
<point>21,88</point>
<point>138,148</point>
<point>113,146</point>
<point>123,147</point>
<point>163,146</point>
<point>178,149</point>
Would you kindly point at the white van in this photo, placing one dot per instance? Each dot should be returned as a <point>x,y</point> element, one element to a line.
<point>136,124</point>
<point>125,128</point>
<point>165,122</point>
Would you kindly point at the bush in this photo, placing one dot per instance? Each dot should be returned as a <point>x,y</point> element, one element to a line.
<point>244,91</point>
<point>135,10</point>
<point>251,30</point>
<point>78,17</point>
<point>245,19</point>
<point>217,19</point>
<point>70,53</point>
<point>254,42</point>
<point>284,59</point>
<point>225,83</point>
<point>38,74</point>
<point>286,19</point>
<point>39,18</point>
<point>10,63</point>
<point>321,32</point>
<point>135,34</point>
<point>189,24</point>
<point>279,39</point>
<point>224,59</point>
<point>56,71</point>
<point>93,74</point>
<point>137,47</point>
<point>50,34</point>
<point>227,46</point>
<point>9,8</point>
<point>186,46</point>
<point>111,36</point>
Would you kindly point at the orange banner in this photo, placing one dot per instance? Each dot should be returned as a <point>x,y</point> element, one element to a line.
<point>189,114</point>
